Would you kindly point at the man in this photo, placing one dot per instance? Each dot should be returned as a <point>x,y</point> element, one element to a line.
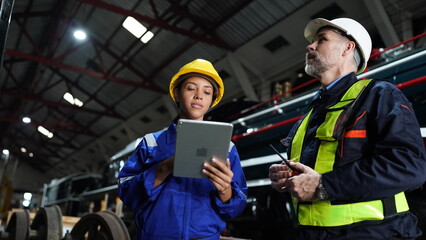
<point>357,150</point>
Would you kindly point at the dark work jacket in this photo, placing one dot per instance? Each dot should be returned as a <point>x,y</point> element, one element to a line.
<point>390,160</point>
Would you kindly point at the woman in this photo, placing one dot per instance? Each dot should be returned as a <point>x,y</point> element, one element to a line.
<point>169,207</point>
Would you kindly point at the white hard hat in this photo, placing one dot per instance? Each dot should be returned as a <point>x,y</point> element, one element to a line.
<point>348,26</point>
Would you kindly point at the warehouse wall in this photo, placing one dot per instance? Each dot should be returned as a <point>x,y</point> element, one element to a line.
<point>28,179</point>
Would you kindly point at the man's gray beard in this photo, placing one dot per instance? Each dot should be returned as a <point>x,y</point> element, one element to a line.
<point>315,69</point>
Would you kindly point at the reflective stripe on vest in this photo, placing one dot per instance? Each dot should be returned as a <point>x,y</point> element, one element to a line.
<point>324,213</point>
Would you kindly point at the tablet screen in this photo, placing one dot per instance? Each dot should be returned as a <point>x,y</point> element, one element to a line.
<point>197,142</point>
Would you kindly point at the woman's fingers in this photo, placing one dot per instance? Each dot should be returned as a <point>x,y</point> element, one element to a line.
<point>219,174</point>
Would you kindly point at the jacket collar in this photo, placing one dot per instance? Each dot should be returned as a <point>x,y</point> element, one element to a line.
<point>340,87</point>
<point>343,85</point>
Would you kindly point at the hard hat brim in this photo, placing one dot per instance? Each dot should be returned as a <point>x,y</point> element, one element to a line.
<point>313,26</point>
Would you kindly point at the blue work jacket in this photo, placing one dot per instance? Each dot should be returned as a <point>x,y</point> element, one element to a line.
<point>388,159</point>
<point>179,208</point>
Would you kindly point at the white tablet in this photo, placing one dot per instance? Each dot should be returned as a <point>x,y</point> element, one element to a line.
<point>197,142</point>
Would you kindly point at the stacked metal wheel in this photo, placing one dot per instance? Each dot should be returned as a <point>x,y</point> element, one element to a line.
<point>47,225</point>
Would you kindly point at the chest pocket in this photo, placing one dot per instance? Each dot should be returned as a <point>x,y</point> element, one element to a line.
<point>335,120</point>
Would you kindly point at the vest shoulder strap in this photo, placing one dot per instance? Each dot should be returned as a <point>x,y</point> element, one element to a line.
<point>357,92</point>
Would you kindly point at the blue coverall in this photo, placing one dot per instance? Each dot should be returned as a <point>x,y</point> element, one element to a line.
<point>389,160</point>
<point>179,208</point>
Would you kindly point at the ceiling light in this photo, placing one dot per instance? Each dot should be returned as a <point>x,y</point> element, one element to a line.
<point>23,149</point>
<point>5,152</point>
<point>26,203</point>
<point>134,27</point>
<point>78,102</point>
<point>28,196</point>
<point>250,130</point>
<point>74,101</point>
<point>30,154</point>
<point>45,132</point>
<point>69,98</point>
<point>80,35</point>
<point>26,119</point>
<point>147,36</point>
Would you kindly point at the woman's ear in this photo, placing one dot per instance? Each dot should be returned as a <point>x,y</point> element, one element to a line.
<point>176,94</point>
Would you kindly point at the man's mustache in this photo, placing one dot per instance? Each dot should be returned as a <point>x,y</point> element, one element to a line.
<point>310,55</point>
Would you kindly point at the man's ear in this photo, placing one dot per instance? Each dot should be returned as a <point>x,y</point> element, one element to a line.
<point>349,47</point>
<point>176,94</point>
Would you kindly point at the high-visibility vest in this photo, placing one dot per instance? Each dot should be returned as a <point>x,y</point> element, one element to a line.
<point>326,213</point>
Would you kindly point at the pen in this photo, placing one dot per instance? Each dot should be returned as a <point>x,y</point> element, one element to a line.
<point>285,161</point>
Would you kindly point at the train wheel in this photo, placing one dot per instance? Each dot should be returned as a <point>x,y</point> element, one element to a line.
<point>18,227</point>
<point>47,224</point>
<point>104,225</point>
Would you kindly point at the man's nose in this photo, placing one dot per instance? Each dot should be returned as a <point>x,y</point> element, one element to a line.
<point>310,47</point>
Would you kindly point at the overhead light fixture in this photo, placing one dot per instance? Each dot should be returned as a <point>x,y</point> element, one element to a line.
<point>26,119</point>
<point>5,152</point>
<point>250,130</point>
<point>134,27</point>
<point>147,36</point>
<point>23,149</point>
<point>30,154</point>
<point>241,121</point>
<point>26,203</point>
<point>27,199</point>
<point>71,99</point>
<point>45,132</point>
<point>80,35</point>
<point>77,102</point>
<point>28,196</point>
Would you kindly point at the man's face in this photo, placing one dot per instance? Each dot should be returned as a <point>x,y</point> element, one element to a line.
<point>324,52</point>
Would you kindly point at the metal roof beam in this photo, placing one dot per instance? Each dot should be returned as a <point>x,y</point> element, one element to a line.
<point>159,23</point>
<point>63,76</point>
<point>58,104</point>
<point>241,76</point>
<point>61,127</point>
<point>149,83</point>
<point>381,19</point>
<point>29,38</point>
<point>100,75</point>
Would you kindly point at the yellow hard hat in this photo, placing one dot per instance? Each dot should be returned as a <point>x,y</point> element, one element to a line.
<point>199,66</point>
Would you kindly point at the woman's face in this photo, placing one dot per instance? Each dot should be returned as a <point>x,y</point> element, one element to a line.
<point>195,98</point>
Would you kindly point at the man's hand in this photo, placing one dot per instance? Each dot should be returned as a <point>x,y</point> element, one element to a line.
<point>220,175</point>
<point>302,186</point>
<point>279,174</point>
